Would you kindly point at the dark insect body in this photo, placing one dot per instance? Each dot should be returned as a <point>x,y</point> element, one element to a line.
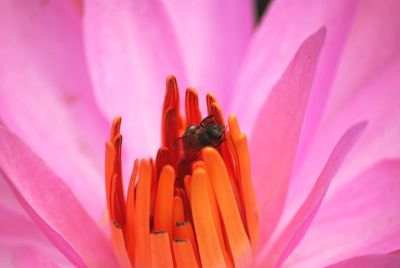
<point>196,137</point>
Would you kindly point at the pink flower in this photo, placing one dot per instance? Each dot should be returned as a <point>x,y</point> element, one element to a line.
<point>301,92</point>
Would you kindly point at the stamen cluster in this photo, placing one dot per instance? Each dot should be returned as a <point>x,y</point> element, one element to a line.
<point>184,210</point>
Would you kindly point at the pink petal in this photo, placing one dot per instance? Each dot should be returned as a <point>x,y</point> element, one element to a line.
<point>373,58</point>
<point>366,88</point>
<point>298,226</point>
<point>361,218</point>
<point>52,205</point>
<point>25,256</point>
<point>131,48</point>
<point>213,36</point>
<point>45,95</point>
<point>372,47</point>
<point>377,102</point>
<point>284,27</point>
<point>275,139</point>
<point>369,261</point>
<point>18,230</point>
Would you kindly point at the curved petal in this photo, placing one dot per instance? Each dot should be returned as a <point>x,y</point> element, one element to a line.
<point>377,102</point>
<point>131,48</point>
<point>18,230</point>
<point>213,36</point>
<point>45,95</point>
<point>283,28</point>
<point>367,87</point>
<point>275,140</point>
<point>298,226</point>
<point>372,47</point>
<point>362,217</point>
<point>52,205</point>
<point>369,261</point>
<point>24,256</point>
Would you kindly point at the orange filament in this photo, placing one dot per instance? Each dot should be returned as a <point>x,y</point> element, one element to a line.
<point>193,115</point>
<point>142,216</point>
<point>181,212</point>
<point>188,183</point>
<point>184,254</point>
<point>184,230</point>
<point>129,228</point>
<point>207,237</point>
<point>246,186</point>
<point>164,201</point>
<point>178,210</point>
<point>160,250</point>
<point>237,238</point>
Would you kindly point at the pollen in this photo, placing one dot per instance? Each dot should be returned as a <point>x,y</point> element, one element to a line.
<point>193,205</point>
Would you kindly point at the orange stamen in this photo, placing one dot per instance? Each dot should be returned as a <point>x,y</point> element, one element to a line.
<point>115,127</point>
<point>246,186</point>
<point>207,238</point>
<point>119,201</point>
<point>184,254</point>
<point>162,159</point>
<point>129,228</point>
<point>154,186</point>
<point>184,209</point>
<point>238,241</point>
<point>234,127</point>
<point>216,215</point>
<point>184,230</point>
<point>171,132</point>
<point>172,101</point>
<point>117,209</point>
<point>110,159</point>
<point>210,99</point>
<point>186,205</point>
<point>164,201</point>
<point>142,215</point>
<point>216,110</point>
<point>193,114</point>
<point>188,183</point>
<point>178,210</point>
<point>161,255</point>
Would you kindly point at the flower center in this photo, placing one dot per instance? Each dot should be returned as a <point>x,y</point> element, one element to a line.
<point>194,205</point>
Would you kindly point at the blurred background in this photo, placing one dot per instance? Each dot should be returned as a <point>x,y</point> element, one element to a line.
<point>261,5</point>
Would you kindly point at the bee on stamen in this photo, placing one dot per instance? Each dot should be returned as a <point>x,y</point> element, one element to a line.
<point>207,133</point>
<point>196,137</point>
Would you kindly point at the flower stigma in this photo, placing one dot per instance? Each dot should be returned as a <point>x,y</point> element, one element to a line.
<point>193,205</point>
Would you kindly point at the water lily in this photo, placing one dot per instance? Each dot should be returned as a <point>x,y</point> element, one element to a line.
<point>314,87</point>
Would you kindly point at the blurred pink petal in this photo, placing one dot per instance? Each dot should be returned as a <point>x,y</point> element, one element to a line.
<point>372,95</point>
<point>17,230</point>
<point>52,205</point>
<point>45,95</point>
<point>297,228</point>
<point>29,256</point>
<point>278,130</point>
<point>372,47</point>
<point>215,52</point>
<point>131,47</point>
<point>378,102</point>
<point>358,219</point>
<point>283,28</point>
<point>373,58</point>
<point>369,261</point>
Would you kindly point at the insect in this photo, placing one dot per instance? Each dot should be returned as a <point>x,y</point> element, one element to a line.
<point>207,133</point>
